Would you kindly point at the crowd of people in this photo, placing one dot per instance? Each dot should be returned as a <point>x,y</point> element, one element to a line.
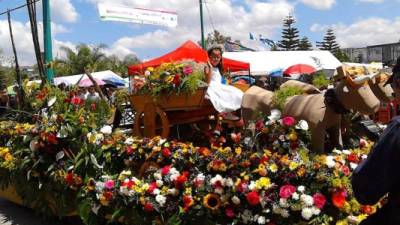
<point>8,98</point>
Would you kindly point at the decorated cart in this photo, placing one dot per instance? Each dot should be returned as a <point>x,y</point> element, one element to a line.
<point>169,96</point>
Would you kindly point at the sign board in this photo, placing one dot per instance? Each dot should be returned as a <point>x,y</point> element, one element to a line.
<point>137,15</point>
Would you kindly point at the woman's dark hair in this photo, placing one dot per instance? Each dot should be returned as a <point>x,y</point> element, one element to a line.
<point>220,65</point>
<point>396,68</point>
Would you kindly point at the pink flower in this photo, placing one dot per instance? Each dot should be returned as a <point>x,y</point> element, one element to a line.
<point>187,70</point>
<point>259,125</point>
<point>288,121</point>
<point>109,184</point>
<point>319,200</point>
<point>287,191</point>
<point>229,212</point>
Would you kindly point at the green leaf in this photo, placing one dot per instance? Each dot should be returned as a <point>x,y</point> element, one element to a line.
<point>115,215</point>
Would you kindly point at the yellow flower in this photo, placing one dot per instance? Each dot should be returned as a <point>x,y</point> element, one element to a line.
<point>273,168</point>
<point>103,200</point>
<point>238,150</point>
<point>8,157</point>
<point>150,69</point>
<point>293,165</point>
<point>263,183</point>
<point>188,191</point>
<point>342,222</point>
<point>293,136</point>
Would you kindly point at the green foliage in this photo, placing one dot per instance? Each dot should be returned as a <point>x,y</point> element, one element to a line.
<point>329,43</point>
<point>305,45</point>
<point>283,94</point>
<point>319,80</point>
<point>290,35</point>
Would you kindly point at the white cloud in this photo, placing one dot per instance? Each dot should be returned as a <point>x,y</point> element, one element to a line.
<point>230,19</point>
<point>365,32</point>
<point>63,11</point>
<point>372,1</point>
<point>319,4</point>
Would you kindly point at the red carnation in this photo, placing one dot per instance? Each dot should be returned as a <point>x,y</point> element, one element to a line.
<point>288,121</point>
<point>352,158</point>
<point>319,200</point>
<point>69,179</point>
<point>51,138</point>
<point>152,187</point>
<point>165,170</point>
<point>181,179</point>
<point>253,198</point>
<point>286,191</point>
<point>148,207</point>
<point>339,198</point>
<point>259,125</point>
<point>166,152</point>
<point>241,187</point>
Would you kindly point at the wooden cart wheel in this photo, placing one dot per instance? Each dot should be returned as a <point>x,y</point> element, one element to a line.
<point>150,122</point>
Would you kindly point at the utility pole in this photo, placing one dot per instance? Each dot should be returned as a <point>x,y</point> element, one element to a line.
<point>203,42</point>
<point>48,50</point>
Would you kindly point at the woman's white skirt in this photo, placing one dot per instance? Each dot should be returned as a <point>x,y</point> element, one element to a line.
<point>225,98</point>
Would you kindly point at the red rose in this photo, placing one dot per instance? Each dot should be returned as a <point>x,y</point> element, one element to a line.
<point>148,207</point>
<point>51,138</point>
<point>339,198</point>
<point>181,180</point>
<point>108,195</point>
<point>319,200</point>
<point>177,79</point>
<point>129,150</point>
<point>165,170</point>
<point>229,212</point>
<point>69,179</point>
<point>288,121</point>
<point>76,100</point>
<point>152,187</point>
<point>352,158</point>
<point>129,184</point>
<point>286,191</point>
<point>346,170</point>
<point>187,201</point>
<point>166,152</point>
<point>259,125</point>
<point>253,198</point>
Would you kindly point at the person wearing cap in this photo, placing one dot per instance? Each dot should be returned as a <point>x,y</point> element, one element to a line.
<point>378,175</point>
<point>225,98</point>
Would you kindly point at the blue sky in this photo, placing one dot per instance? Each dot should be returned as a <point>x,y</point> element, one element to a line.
<point>357,23</point>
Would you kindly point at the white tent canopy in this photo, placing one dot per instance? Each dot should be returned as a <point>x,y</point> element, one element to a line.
<point>264,62</point>
<point>74,79</point>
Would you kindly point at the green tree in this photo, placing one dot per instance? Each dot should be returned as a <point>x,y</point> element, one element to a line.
<point>84,57</point>
<point>329,43</point>
<point>290,35</point>
<point>305,44</point>
<point>341,56</point>
<point>216,37</point>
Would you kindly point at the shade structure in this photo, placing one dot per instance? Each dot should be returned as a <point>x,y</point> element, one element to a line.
<point>299,69</point>
<point>114,81</point>
<point>88,82</point>
<point>188,51</point>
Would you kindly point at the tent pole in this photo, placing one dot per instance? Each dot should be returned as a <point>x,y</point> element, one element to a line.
<point>203,42</point>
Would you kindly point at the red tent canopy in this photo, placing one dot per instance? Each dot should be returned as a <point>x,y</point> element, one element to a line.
<point>189,50</point>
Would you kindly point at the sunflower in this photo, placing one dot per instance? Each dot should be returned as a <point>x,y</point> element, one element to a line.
<point>212,201</point>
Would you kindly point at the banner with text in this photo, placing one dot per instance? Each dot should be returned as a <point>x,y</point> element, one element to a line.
<point>137,15</point>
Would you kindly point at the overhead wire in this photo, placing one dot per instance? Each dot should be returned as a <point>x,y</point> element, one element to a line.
<point>18,7</point>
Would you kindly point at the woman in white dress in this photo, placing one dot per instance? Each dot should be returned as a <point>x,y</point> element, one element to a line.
<point>225,98</point>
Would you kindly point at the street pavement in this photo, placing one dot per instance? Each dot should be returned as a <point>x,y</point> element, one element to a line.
<point>12,214</point>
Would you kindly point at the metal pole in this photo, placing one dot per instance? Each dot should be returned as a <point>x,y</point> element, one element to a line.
<point>203,42</point>
<point>20,93</point>
<point>48,54</point>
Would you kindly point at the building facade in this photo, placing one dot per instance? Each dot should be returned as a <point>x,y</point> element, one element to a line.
<point>385,53</point>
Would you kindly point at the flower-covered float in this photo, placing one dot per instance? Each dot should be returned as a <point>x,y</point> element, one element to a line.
<point>68,159</point>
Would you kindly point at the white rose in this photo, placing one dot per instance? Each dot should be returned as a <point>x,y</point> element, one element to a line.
<point>261,220</point>
<point>159,183</point>
<point>252,185</point>
<point>157,176</point>
<point>295,196</point>
<point>156,191</point>
<point>301,188</point>
<point>129,141</point>
<point>315,211</point>
<point>307,199</point>
<point>306,213</point>
<point>235,200</point>
<point>161,200</point>
<point>219,190</point>
<point>106,129</point>
<point>330,162</point>
<point>229,182</point>
<point>353,166</point>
